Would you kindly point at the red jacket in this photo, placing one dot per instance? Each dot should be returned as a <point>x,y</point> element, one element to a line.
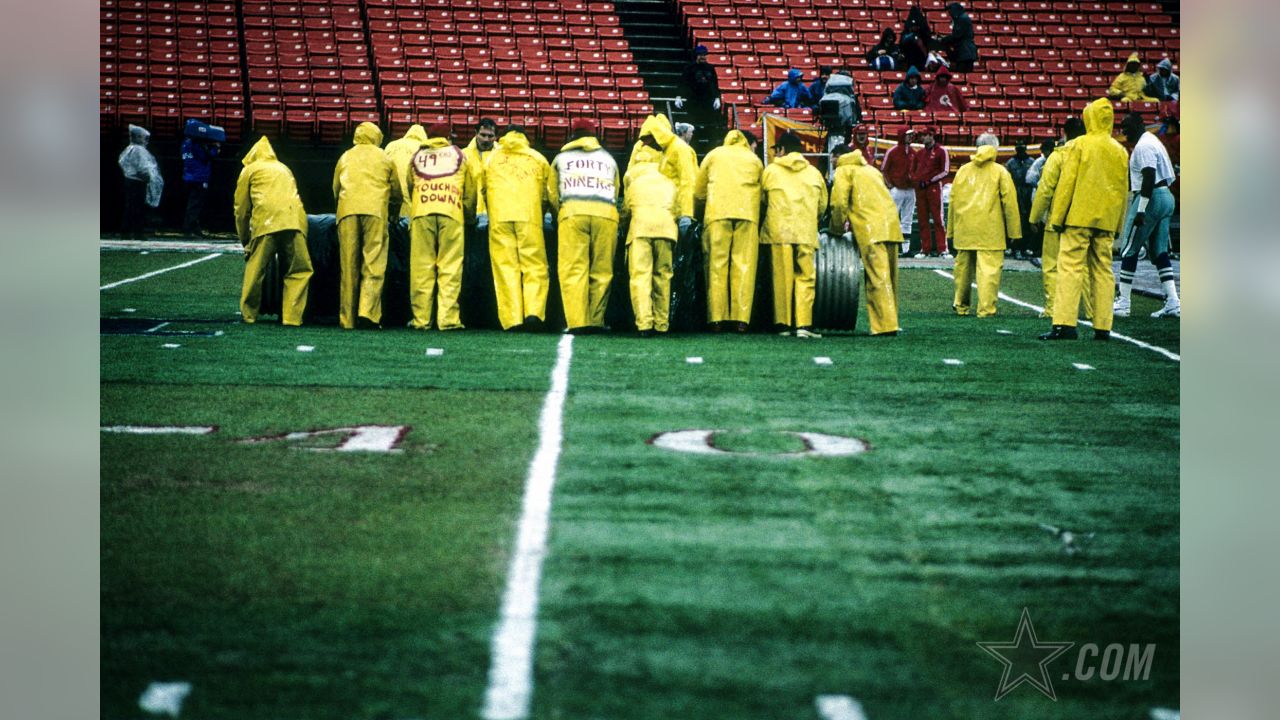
<point>930,165</point>
<point>897,164</point>
<point>944,99</point>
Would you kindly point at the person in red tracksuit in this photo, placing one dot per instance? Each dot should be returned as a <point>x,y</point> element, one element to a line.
<point>896,168</point>
<point>929,167</point>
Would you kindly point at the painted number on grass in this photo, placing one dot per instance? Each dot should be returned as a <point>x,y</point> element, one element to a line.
<point>703,442</point>
<point>358,438</point>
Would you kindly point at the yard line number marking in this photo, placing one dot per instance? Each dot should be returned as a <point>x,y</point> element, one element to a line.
<point>511,667</point>
<point>161,271</point>
<point>1146,346</point>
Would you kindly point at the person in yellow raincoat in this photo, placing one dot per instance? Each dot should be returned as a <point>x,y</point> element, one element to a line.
<point>651,205</point>
<point>516,185</point>
<point>1130,85</point>
<point>441,193</point>
<point>271,222</point>
<point>400,153</point>
<point>1087,212</point>
<point>583,186</point>
<point>983,221</point>
<point>861,204</point>
<point>795,196</point>
<point>1049,177</point>
<point>362,183</point>
<point>679,162</point>
<point>728,187</point>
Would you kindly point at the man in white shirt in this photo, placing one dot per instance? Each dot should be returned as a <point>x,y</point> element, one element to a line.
<point>1151,207</point>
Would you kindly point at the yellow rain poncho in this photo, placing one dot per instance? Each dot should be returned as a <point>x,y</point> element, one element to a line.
<point>728,186</point>
<point>982,220</point>
<point>442,192</point>
<point>362,184</point>
<point>860,198</point>
<point>1090,202</point>
<point>271,222</point>
<point>652,207</point>
<point>678,162</point>
<point>516,185</point>
<point>400,152</point>
<point>1130,86</point>
<point>1049,176</point>
<point>583,186</point>
<point>795,196</point>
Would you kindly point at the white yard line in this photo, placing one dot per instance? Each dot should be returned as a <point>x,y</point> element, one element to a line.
<point>1146,346</point>
<point>511,666</point>
<point>162,271</point>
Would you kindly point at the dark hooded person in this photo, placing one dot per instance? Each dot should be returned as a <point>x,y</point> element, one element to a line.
<point>961,49</point>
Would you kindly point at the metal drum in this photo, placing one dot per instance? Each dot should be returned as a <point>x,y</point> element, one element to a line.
<point>839,282</point>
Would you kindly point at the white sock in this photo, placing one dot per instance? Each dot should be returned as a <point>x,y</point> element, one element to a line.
<point>1171,293</point>
<point>1126,290</point>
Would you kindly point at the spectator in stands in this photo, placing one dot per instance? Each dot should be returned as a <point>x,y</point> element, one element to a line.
<point>143,183</point>
<point>442,193</point>
<point>910,94</point>
<point>1018,166</point>
<point>197,165</point>
<point>1046,181</point>
<point>1088,211</point>
<point>1130,85</point>
<point>650,206</point>
<point>983,222</point>
<point>796,197</point>
<point>271,223</point>
<point>896,167</point>
<point>916,39</point>
<point>583,188</point>
<point>1163,84</point>
<point>478,153</point>
<point>929,167</point>
<point>362,182</point>
<point>728,188</point>
<point>862,143</point>
<point>818,87</point>
<point>1151,208</point>
<point>886,54</point>
<point>861,205</point>
<point>679,163</point>
<point>943,96</point>
<point>704,87</point>
<point>838,108</point>
<point>400,153</point>
<point>791,93</point>
<point>516,182</point>
<point>961,49</point>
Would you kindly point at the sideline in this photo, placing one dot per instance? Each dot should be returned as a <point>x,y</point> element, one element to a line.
<point>161,271</point>
<point>1115,335</point>
<point>511,666</point>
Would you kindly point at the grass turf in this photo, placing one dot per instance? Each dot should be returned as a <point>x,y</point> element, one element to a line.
<point>283,582</point>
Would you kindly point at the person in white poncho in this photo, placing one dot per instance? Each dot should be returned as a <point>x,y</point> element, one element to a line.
<point>142,182</point>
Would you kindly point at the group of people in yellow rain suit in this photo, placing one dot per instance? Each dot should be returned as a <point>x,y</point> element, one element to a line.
<point>503,184</point>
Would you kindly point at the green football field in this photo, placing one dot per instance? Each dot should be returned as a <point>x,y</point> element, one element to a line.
<point>284,577</point>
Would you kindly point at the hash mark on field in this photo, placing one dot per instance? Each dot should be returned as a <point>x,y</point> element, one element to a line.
<point>161,271</point>
<point>839,707</point>
<point>822,361</point>
<point>129,310</point>
<point>1146,346</point>
<point>306,348</point>
<point>171,346</point>
<point>693,360</point>
<point>435,352</point>
<point>151,330</point>
<point>1082,366</point>
<point>952,361</point>
<point>1004,332</point>
<point>511,668</point>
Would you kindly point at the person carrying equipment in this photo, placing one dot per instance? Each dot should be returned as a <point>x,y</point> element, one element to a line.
<point>861,204</point>
<point>271,222</point>
<point>728,187</point>
<point>795,194</point>
<point>362,183</point>
<point>516,185</point>
<point>651,206</point>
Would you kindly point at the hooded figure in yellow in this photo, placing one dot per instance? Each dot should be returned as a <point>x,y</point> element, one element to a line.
<point>583,185</point>
<point>1087,212</point>
<point>729,187</point>
<point>1130,85</point>
<point>401,152</point>
<point>862,205</point>
<point>441,192</point>
<point>1049,176</point>
<point>679,162</point>
<point>795,197</point>
<point>516,182</point>
<point>362,184</point>
<point>983,221</point>
<point>271,223</point>
<point>652,207</point>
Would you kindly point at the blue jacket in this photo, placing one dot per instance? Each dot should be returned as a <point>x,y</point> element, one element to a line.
<point>790,95</point>
<point>197,161</point>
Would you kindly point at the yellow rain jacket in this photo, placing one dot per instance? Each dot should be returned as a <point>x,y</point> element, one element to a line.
<point>1049,176</point>
<point>984,205</point>
<point>477,163</point>
<point>1131,86</point>
<point>650,200</point>
<point>859,196</point>
<point>679,161</point>
<point>1092,190</point>
<point>266,198</point>
<point>516,181</point>
<point>400,152</point>
<point>729,181</point>
<point>363,177</point>
<point>590,180</point>
<point>797,195</point>
<point>440,181</point>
